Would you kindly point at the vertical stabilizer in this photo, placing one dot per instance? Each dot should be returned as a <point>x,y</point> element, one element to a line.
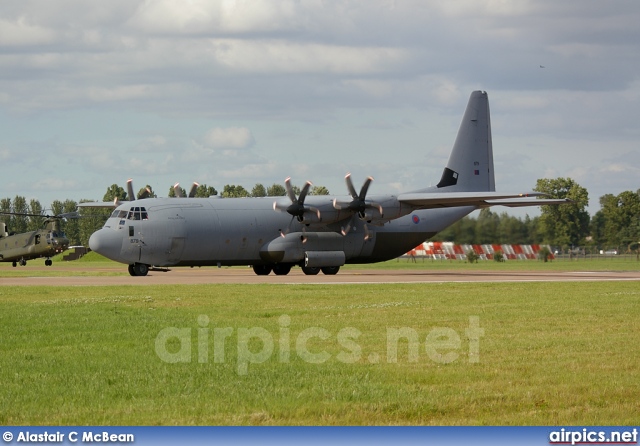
<point>470,165</point>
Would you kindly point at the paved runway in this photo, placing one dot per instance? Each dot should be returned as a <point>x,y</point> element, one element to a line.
<point>212,275</point>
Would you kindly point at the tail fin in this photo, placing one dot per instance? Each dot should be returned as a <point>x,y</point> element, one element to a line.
<point>470,165</point>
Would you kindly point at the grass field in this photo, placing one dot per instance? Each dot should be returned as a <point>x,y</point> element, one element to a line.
<point>100,266</point>
<point>488,353</point>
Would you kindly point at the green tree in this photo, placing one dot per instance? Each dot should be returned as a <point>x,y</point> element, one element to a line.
<point>142,191</point>
<point>114,191</point>
<point>172,192</point>
<point>319,190</point>
<point>487,227</point>
<point>512,230</point>
<point>233,191</point>
<point>619,222</point>
<point>71,226</point>
<point>5,208</point>
<point>20,222</point>
<point>532,226</point>
<point>35,208</point>
<point>566,224</point>
<point>204,191</point>
<point>461,232</point>
<point>276,190</point>
<point>91,220</point>
<point>258,190</point>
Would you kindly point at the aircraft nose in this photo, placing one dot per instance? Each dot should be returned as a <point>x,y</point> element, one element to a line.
<point>106,242</point>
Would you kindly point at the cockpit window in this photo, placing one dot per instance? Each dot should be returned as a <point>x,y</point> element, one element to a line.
<point>119,214</point>
<point>137,213</point>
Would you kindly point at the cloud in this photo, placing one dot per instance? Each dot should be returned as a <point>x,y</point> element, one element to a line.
<point>279,56</point>
<point>230,139</point>
<point>20,32</point>
<point>197,80</point>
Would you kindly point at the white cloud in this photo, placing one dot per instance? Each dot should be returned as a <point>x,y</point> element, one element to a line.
<point>278,56</point>
<point>231,138</point>
<point>337,78</point>
<point>22,33</point>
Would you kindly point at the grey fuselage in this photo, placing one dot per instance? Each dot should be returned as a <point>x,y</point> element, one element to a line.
<point>248,231</point>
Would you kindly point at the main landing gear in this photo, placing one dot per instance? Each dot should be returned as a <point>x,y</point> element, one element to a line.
<point>23,262</point>
<point>282,269</point>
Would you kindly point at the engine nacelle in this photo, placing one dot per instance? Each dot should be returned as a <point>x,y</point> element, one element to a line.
<point>320,259</point>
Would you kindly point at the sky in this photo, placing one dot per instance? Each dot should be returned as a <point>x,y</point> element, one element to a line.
<point>94,92</point>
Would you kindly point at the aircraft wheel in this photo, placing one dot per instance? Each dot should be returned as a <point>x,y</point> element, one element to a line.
<point>14,264</point>
<point>131,270</point>
<point>310,270</point>
<point>140,269</point>
<point>48,262</point>
<point>330,270</point>
<point>23,262</point>
<point>281,269</point>
<point>262,270</point>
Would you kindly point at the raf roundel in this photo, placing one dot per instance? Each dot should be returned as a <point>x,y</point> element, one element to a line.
<point>415,219</point>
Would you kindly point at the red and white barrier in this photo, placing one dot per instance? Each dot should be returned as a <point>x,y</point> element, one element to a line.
<point>451,251</point>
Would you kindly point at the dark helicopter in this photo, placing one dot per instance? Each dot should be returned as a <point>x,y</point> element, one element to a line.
<point>45,242</point>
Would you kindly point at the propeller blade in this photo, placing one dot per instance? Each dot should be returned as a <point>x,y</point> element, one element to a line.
<point>339,205</point>
<point>304,192</point>
<point>314,209</point>
<point>365,188</point>
<point>367,232</point>
<point>194,189</point>
<point>130,195</point>
<point>290,193</point>
<point>297,208</point>
<point>145,194</point>
<point>178,190</point>
<point>350,188</point>
<point>280,207</point>
<point>346,230</point>
<point>376,206</point>
<point>284,234</point>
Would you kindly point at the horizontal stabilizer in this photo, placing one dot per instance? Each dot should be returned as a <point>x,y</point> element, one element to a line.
<point>526,202</point>
<point>427,200</point>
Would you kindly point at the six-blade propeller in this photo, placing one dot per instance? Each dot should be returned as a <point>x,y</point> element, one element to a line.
<point>359,205</point>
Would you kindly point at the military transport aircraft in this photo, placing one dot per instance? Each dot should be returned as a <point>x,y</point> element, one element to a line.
<point>317,233</point>
<point>45,242</point>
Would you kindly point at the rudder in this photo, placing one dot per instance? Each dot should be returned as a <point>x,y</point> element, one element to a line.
<point>470,165</point>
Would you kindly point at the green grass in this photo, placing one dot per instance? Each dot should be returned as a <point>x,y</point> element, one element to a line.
<point>102,266</point>
<point>551,353</point>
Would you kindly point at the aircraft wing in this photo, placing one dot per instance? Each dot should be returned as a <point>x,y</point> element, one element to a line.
<point>99,204</point>
<point>426,200</point>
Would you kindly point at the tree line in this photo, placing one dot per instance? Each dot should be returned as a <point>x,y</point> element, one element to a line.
<point>78,230</point>
<point>615,226</point>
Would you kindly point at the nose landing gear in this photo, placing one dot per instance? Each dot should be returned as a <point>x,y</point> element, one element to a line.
<point>138,269</point>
